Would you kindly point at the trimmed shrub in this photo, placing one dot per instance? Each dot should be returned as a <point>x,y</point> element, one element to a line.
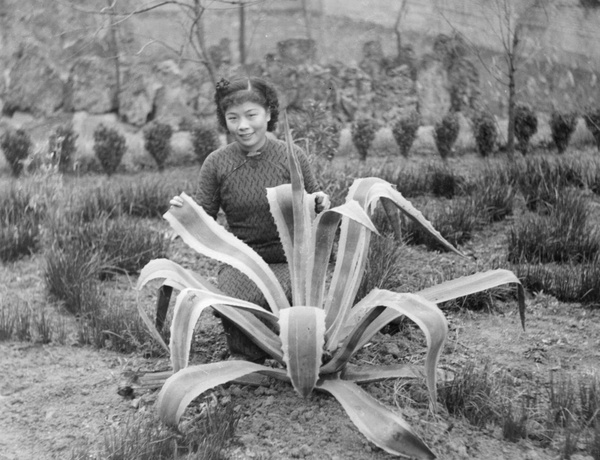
<point>363,133</point>
<point>158,142</point>
<point>16,146</point>
<point>526,124</point>
<point>405,130</point>
<point>563,126</point>
<point>62,147</point>
<point>315,128</point>
<point>205,140</point>
<point>109,147</point>
<point>445,133</point>
<point>485,132</point>
<point>592,122</point>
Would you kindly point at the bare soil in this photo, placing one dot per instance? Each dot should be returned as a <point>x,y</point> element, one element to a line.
<point>57,397</point>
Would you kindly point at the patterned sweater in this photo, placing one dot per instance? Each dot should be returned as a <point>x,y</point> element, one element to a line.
<point>237,183</point>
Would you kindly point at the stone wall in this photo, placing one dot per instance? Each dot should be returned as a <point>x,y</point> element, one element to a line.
<point>569,33</point>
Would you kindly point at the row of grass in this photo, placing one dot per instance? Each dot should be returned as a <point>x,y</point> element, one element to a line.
<point>94,232</point>
<point>563,412</point>
<point>89,237</point>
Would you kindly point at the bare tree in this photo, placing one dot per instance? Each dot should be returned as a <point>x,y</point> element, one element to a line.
<point>242,36</point>
<point>510,19</point>
<point>401,14</point>
<point>505,24</point>
<point>307,19</point>
<point>193,11</point>
<point>114,46</point>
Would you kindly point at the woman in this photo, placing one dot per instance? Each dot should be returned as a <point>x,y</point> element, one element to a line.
<point>235,178</point>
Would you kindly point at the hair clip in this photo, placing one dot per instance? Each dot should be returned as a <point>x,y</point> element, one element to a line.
<point>222,85</point>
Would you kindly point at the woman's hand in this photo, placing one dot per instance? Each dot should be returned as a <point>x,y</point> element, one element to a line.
<point>322,202</point>
<point>176,201</point>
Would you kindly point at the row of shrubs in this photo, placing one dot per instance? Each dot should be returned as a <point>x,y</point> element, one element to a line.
<point>109,146</point>
<point>313,128</point>
<point>485,131</point>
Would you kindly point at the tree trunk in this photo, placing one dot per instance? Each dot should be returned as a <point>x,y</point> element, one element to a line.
<point>307,19</point>
<point>242,38</point>
<point>114,48</point>
<point>198,28</point>
<point>510,141</point>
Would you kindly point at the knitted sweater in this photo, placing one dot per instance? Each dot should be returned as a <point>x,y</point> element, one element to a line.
<point>231,180</point>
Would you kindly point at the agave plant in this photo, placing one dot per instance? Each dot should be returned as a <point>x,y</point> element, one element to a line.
<point>314,337</point>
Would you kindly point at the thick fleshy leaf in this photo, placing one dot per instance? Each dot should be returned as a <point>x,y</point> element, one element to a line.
<point>349,269</point>
<point>422,312</point>
<point>281,207</point>
<point>321,244</point>
<point>263,336</point>
<point>370,374</point>
<point>368,191</point>
<point>302,221</point>
<point>203,234</point>
<point>302,339</point>
<point>471,284</point>
<point>348,347</point>
<point>182,387</point>
<point>381,426</point>
<point>150,325</point>
<point>189,305</point>
<point>180,277</point>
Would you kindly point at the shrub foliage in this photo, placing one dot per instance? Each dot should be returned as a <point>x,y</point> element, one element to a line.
<point>592,122</point>
<point>445,133</point>
<point>16,146</point>
<point>526,124</point>
<point>315,127</point>
<point>405,130</point>
<point>109,147</point>
<point>62,145</point>
<point>158,142</point>
<point>485,132</point>
<point>562,126</point>
<point>363,133</point>
<point>204,140</point>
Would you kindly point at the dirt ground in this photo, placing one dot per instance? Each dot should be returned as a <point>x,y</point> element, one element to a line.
<point>55,398</point>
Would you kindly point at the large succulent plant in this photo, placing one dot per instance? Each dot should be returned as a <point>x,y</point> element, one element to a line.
<point>314,337</point>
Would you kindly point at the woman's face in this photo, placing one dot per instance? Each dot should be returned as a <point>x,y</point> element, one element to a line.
<point>247,122</point>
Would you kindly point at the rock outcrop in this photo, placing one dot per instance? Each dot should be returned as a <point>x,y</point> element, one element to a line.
<point>33,84</point>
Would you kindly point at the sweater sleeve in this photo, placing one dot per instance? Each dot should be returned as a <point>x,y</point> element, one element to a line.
<point>209,196</point>
<point>310,182</point>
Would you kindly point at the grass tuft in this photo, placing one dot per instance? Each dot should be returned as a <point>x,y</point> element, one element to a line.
<point>19,223</point>
<point>471,395</point>
<point>146,438</point>
<point>562,235</point>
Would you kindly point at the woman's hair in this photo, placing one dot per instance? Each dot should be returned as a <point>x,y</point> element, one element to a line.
<point>253,89</point>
